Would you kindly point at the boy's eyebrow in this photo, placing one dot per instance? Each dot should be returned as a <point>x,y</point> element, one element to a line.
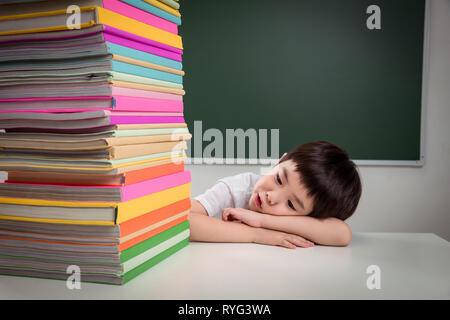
<point>296,198</point>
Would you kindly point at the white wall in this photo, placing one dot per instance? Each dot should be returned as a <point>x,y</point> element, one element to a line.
<point>398,199</point>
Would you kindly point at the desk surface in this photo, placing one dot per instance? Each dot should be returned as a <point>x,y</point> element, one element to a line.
<point>412,266</point>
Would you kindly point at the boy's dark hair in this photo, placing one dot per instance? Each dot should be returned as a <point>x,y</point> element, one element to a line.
<point>329,176</point>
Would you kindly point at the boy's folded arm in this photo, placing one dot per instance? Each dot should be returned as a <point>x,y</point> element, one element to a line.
<point>209,229</point>
<point>329,231</point>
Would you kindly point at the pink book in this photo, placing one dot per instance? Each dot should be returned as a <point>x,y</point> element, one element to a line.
<point>143,117</point>
<point>119,91</point>
<point>112,193</point>
<point>90,103</point>
<point>140,15</point>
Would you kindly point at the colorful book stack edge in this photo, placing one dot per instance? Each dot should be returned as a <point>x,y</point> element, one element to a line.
<point>93,138</point>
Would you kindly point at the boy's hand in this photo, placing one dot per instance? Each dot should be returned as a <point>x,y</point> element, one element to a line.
<point>265,236</point>
<point>251,218</point>
<point>277,238</point>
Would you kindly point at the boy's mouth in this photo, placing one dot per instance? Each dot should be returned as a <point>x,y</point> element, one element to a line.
<point>258,201</point>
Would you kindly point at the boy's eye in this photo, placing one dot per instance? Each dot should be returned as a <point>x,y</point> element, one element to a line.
<point>291,205</point>
<point>278,178</point>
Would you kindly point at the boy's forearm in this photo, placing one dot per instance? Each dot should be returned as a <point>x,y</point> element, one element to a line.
<point>209,229</point>
<point>330,231</point>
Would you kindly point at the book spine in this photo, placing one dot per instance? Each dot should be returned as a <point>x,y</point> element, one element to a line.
<point>145,72</point>
<point>149,87</point>
<point>164,7</point>
<point>171,3</point>
<point>119,91</point>
<point>133,41</point>
<point>147,64</point>
<point>131,209</point>
<point>127,103</point>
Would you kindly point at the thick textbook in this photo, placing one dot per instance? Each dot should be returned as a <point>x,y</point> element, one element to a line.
<point>87,238</point>
<point>83,120</point>
<point>89,16</point>
<point>163,6</point>
<point>84,76</point>
<point>112,234</point>
<point>90,143</point>
<point>172,3</point>
<point>164,167</point>
<point>129,263</point>
<point>118,129</point>
<point>160,99</point>
<point>82,103</point>
<point>114,131</point>
<point>96,213</point>
<point>93,193</point>
<point>105,64</point>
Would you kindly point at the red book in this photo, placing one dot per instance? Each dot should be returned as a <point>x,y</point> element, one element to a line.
<point>122,179</point>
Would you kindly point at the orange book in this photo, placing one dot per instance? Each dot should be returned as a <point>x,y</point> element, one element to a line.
<point>135,224</point>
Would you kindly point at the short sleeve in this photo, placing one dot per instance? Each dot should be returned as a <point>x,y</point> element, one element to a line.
<point>215,199</point>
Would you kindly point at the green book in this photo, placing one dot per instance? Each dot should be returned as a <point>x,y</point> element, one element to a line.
<point>130,262</point>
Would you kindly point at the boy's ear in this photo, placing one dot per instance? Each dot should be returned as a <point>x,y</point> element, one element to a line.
<point>282,157</point>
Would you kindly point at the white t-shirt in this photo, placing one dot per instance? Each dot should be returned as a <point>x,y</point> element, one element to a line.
<point>230,192</point>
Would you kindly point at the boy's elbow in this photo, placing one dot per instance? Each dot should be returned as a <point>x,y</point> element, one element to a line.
<point>345,236</point>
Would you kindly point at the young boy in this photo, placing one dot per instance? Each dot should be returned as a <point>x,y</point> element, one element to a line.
<point>303,200</point>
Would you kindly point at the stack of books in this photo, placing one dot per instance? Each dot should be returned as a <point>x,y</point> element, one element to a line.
<point>93,138</point>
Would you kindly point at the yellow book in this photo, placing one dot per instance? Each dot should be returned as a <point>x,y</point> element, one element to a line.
<point>89,213</point>
<point>141,86</point>
<point>37,166</point>
<point>164,7</point>
<point>89,16</point>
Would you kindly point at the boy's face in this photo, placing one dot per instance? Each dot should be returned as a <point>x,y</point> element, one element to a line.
<point>279,192</point>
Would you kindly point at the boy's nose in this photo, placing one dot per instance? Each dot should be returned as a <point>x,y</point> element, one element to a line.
<point>270,198</point>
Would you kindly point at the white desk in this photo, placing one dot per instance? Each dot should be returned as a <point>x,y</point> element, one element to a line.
<point>413,266</point>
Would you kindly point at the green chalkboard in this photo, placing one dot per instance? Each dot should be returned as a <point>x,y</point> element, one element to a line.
<point>313,69</point>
